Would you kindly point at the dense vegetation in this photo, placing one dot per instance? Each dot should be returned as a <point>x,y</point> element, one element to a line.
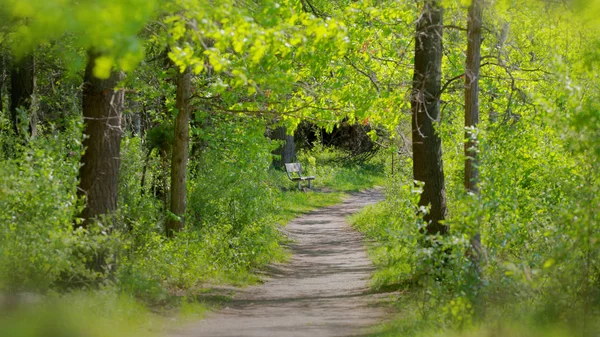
<point>138,137</point>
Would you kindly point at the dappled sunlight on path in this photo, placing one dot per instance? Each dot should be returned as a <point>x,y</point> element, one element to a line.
<point>322,291</point>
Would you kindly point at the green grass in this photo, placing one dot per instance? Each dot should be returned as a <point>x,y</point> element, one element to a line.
<point>103,313</point>
<point>96,313</point>
<point>295,203</point>
<point>430,305</point>
<point>334,180</point>
<point>411,322</point>
<point>174,281</point>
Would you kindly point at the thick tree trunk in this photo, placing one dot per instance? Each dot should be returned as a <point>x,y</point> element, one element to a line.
<point>425,102</point>
<point>22,89</point>
<point>179,160</point>
<point>102,112</point>
<point>287,151</point>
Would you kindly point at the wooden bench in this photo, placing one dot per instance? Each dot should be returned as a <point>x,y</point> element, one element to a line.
<point>294,172</point>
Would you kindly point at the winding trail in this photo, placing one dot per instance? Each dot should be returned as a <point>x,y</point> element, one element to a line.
<point>321,292</point>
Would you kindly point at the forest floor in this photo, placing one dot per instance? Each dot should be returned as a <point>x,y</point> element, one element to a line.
<point>321,291</point>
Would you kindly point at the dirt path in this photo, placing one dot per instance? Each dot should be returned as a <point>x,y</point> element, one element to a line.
<point>321,292</point>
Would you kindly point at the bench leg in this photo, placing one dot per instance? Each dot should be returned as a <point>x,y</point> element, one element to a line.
<point>299,187</point>
<point>310,184</point>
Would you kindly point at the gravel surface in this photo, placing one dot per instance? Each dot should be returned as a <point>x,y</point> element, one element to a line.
<point>322,291</point>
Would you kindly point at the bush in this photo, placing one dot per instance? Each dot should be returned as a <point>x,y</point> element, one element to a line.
<point>536,214</point>
<point>37,206</point>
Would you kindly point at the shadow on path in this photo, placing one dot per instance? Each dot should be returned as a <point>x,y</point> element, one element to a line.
<point>321,292</point>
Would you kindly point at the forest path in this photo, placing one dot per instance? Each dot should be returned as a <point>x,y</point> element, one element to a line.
<point>322,291</point>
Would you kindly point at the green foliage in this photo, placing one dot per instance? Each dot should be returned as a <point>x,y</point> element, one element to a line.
<point>268,62</point>
<point>235,202</point>
<point>335,168</point>
<point>230,179</point>
<point>538,205</point>
<point>394,226</point>
<point>40,249</point>
<point>101,25</point>
<point>38,206</point>
<point>535,215</point>
<point>100,313</point>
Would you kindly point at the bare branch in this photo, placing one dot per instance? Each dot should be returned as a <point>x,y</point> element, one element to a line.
<point>539,69</point>
<point>449,82</point>
<point>455,27</point>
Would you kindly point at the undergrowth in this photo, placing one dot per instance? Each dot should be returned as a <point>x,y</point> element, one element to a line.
<point>237,202</point>
<point>536,215</point>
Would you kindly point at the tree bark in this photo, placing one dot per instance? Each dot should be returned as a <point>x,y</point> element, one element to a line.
<point>102,113</point>
<point>472,94</point>
<point>471,179</point>
<point>2,78</point>
<point>287,151</point>
<point>179,160</point>
<point>425,104</point>
<point>22,89</point>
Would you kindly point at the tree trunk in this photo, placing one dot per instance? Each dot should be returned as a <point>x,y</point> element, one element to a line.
<point>425,103</point>
<point>102,112</point>
<point>179,160</point>
<point>472,114</point>
<point>472,94</point>
<point>287,150</point>
<point>2,79</point>
<point>144,169</point>
<point>22,88</point>
<point>162,189</point>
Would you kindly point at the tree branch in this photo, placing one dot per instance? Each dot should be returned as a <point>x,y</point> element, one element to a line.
<point>455,27</point>
<point>517,69</point>
<point>373,81</point>
<point>450,81</point>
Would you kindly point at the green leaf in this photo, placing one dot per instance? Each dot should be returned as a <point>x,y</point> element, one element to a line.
<point>103,66</point>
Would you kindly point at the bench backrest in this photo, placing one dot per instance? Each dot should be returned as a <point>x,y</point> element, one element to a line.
<point>293,168</point>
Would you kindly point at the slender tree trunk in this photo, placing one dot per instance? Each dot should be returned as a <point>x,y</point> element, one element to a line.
<point>472,94</point>
<point>2,79</point>
<point>287,151</point>
<point>473,61</point>
<point>425,103</point>
<point>102,112</point>
<point>144,169</point>
<point>162,191</point>
<point>34,109</point>
<point>179,160</point>
<point>22,88</point>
